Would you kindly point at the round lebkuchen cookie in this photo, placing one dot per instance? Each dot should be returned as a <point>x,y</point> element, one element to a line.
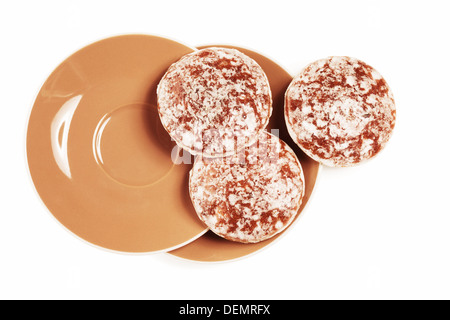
<point>214,101</point>
<point>340,111</point>
<point>250,196</point>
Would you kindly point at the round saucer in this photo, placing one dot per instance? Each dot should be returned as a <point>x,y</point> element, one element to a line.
<point>98,154</point>
<point>212,248</point>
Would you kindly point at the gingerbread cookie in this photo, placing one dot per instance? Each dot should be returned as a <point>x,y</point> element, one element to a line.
<point>340,111</point>
<point>250,196</point>
<point>214,101</point>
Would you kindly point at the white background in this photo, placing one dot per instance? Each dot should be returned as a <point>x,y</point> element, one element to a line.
<point>379,230</point>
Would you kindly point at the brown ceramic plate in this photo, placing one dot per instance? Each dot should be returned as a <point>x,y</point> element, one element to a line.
<point>212,248</point>
<point>98,154</point>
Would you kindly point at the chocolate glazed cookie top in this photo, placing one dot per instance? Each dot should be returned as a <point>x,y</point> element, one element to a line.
<point>250,196</point>
<point>340,111</point>
<point>214,101</point>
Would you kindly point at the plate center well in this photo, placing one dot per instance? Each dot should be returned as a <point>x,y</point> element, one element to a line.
<point>132,147</point>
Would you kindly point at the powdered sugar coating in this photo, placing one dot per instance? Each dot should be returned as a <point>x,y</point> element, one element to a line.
<point>250,196</point>
<point>214,101</point>
<point>340,111</point>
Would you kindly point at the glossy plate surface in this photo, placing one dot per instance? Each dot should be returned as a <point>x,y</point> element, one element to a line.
<point>212,248</point>
<point>97,152</point>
